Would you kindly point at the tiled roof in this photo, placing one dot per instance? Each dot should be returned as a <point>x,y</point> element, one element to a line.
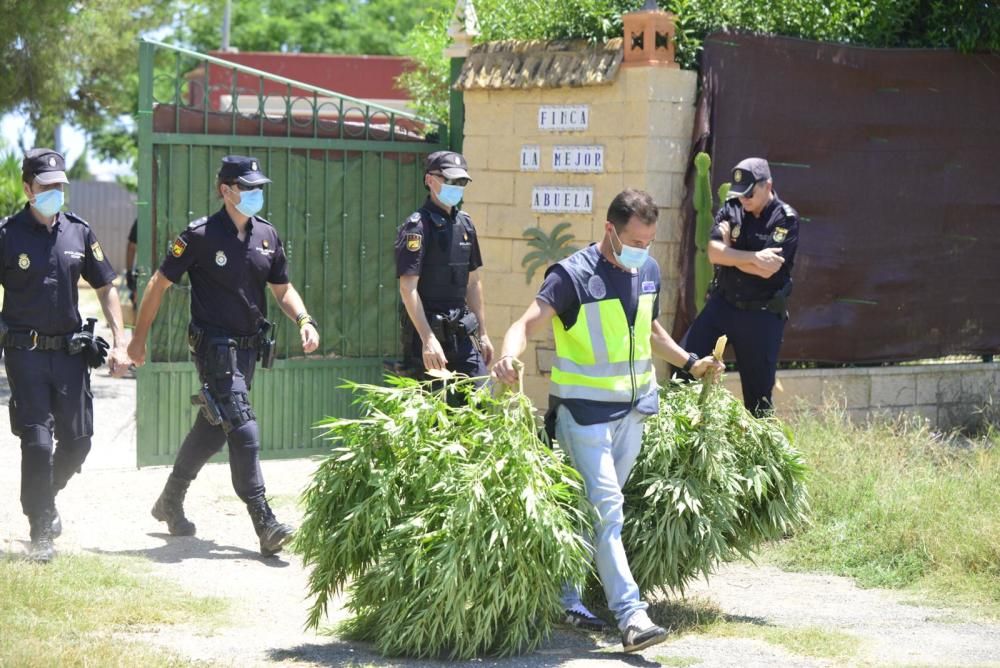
<point>513,64</point>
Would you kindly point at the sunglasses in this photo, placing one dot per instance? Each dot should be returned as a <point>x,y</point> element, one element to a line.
<point>451,182</point>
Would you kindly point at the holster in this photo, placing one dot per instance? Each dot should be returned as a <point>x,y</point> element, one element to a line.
<point>266,348</point>
<point>208,406</point>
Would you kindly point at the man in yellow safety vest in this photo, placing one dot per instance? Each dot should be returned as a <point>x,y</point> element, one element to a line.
<point>603,385</point>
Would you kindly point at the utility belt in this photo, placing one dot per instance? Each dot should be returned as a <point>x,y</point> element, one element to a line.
<point>777,304</point>
<point>453,326</point>
<point>93,348</point>
<point>207,343</point>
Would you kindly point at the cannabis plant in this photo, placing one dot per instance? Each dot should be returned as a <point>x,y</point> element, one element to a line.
<point>451,529</point>
<point>711,484</point>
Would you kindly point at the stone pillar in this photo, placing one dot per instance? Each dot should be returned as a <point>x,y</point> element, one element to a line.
<point>642,121</point>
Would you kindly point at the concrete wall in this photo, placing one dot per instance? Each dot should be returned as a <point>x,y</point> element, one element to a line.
<point>643,120</point>
<point>946,395</point>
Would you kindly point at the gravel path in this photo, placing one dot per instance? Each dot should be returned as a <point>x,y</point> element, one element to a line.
<point>106,511</point>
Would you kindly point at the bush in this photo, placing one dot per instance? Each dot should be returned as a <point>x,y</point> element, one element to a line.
<point>456,526</point>
<point>965,25</point>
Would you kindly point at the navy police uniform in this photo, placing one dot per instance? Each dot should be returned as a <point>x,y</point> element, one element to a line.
<point>229,331</point>
<point>442,248</point>
<point>49,378</point>
<point>749,309</point>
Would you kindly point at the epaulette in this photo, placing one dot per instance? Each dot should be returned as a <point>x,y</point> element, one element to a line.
<point>258,219</point>
<point>789,211</point>
<point>4,221</point>
<point>75,218</point>
<point>414,217</point>
<point>197,223</point>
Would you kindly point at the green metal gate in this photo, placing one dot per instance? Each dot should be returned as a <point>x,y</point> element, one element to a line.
<point>345,173</point>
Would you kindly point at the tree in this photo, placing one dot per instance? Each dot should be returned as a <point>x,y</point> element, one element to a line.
<point>69,61</point>
<point>965,25</point>
<point>371,27</point>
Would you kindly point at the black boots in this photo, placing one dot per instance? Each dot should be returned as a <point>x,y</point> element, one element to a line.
<point>169,507</point>
<point>272,533</point>
<point>42,550</point>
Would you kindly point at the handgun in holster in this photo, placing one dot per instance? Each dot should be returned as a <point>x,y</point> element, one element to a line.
<point>209,408</point>
<point>266,348</point>
<point>778,304</point>
<point>439,326</point>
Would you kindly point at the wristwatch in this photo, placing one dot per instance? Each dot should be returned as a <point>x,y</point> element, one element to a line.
<point>692,358</point>
<point>306,319</point>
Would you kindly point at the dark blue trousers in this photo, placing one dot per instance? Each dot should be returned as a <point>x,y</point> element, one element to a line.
<point>49,396</point>
<point>756,339</point>
<point>205,439</point>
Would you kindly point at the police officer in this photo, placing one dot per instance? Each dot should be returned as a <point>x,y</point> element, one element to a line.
<point>229,257</point>
<point>130,272</point>
<point>753,247</point>
<point>438,262</point>
<point>49,353</point>
<point>602,303</point>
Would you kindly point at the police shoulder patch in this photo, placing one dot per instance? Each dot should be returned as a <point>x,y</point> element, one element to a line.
<point>178,247</point>
<point>98,251</point>
<point>414,242</point>
<point>779,234</point>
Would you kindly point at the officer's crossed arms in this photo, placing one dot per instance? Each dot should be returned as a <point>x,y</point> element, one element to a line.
<point>765,262</point>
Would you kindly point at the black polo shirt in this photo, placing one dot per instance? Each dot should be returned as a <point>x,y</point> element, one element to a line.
<point>777,226</point>
<point>40,269</point>
<point>228,276</point>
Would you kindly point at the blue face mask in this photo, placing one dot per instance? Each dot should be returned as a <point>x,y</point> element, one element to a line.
<point>251,201</point>
<point>49,202</point>
<point>451,195</point>
<point>630,257</point>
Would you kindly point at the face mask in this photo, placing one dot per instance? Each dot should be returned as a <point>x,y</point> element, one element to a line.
<point>630,257</point>
<point>450,195</point>
<point>49,202</point>
<point>251,201</point>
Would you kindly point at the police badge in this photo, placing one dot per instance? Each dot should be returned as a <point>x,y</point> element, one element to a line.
<point>779,234</point>
<point>23,261</point>
<point>221,259</point>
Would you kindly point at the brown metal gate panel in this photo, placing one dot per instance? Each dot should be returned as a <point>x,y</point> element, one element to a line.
<point>890,158</point>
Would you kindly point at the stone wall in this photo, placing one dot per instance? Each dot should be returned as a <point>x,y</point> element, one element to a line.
<point>643,121</point>
<point>946,395</point>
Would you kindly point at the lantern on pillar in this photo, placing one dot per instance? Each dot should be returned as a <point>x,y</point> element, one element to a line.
<point>649,36</point>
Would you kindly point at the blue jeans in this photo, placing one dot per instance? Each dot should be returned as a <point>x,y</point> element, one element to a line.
<point>604,455</point>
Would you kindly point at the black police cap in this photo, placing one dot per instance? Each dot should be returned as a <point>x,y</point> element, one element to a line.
<point>242,169</point>
<point>747,174</point>
<point>452,165</point>
<point>44,166</point>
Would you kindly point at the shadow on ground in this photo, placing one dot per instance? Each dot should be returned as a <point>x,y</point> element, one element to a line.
<point>563,646</point>
<point>176,549</point>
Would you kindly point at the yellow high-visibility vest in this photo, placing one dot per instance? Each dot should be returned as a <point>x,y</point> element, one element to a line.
<point>600,357</point>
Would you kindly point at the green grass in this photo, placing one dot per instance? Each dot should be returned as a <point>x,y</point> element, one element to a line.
<point>896,505</point>
<point>80,609</point>
<point>698,616</point>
